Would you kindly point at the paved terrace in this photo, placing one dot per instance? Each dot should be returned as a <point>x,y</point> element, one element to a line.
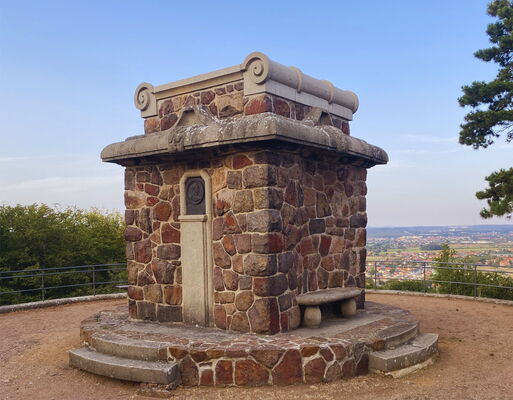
<point>476,353</point>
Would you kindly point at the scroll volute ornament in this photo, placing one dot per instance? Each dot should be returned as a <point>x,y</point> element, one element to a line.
<point>144,100</point>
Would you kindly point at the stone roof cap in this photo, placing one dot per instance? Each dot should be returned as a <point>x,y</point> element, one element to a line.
<point>259,74</point>
<point>197,129</point>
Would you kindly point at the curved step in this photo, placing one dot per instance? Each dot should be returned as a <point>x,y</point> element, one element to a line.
<point>122,368</point>
<point>126,347</point>
<point>398,335</point>
<point>404,356</point>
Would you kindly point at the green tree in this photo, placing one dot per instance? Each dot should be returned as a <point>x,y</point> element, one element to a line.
<point>492,108</point>
<point>37,236</point>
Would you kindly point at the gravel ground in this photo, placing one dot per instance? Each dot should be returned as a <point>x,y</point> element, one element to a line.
<point>476,358</point>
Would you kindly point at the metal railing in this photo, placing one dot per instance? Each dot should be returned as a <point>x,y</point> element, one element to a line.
<point>477,280</point>
<point>23,285</point>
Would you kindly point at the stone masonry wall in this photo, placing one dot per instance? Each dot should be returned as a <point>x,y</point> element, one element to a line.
<point>283,225</point>
<point>229,101</point>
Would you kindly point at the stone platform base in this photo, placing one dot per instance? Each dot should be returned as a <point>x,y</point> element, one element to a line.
<point>340,348</point>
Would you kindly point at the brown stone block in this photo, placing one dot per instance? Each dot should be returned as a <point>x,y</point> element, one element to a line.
<point>207,377</point>
<point>133,269</point>
<point>230,224</point>
<point>134,199</point>
<point>163,271</point>
<point>152,190</point>
<point>361,237</point>
<point>250,373</point>
<point>177,352</point>
<point>309,350</point>
<point>258,176</point>
<point>220,317</point>
<point>292,235</point>
<point>260,265</point>
<point>362,366</point>
<point>244,300</point>
<point>322,206</point>
<point>336,278</point>
<point>162,211</point>
<point>189,372</point>
<point>292,275</point>
<point>230,279</point>
<point>132,309</point>
<point>240,322</point>
<point>224,373</point>
<point>289,370</point>
<point>130,216</point>
<point>153,293</point>
<point>285,261</point>
<point>241,161</point>
<point>285,301</point>
<point>339,350</point>
<point>151,125</point>
<point>258,104</point>
<point>322,278</point>
<point>242,243</point>
<point>169,313</point>
<point>314,370</point>
<point>264,316</point>
<point>173,295</point>
<point>142,251</point>
<point>294,317</point>
<point>218,279</point>
<point>145,277</point>
<point>168,121</point>
<point>267,356</point>
<point>224,297</point>
<point>166,107</point>
<point>146,310</point>
<point>264,221</point>
<point>333,373</point>
<point>207,96</point>
<point>169,234</point>
<point>270,286</point>
<point>268,198</point>
<point>221,257</point>
<point>245,282</point>
<point>358,221</point>
<point>132,234</point>
<point>129,179</point>
<point>267,243</point>
<point>234,179</point>
<point>324,246</point>
<point>135,293</point>
<point>326,354</point>
<point>243,201</point>
<point>169,252</point>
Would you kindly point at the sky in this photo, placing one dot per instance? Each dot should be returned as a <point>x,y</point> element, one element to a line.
<point>68,71</point>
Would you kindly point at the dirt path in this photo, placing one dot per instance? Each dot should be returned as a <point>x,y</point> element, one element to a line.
<point>476,361</point>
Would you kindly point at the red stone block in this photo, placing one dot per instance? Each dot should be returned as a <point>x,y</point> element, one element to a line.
<point>250,373</point>
<point>132,234</point>
<point>169,234</point>
<point>220,317</point>
<point>281,107</point>
<point>259,104</point>
<point>207,377</point>
<point>135,293</point>
<point>324,246</point>
<point>241,161</point>
<point>151,125</point>
<point>189,372</point>
<point>224,372</point>
<point>289,370</point>
<point>162,211</point>
<point>314,370</point>
<point>143,251</point>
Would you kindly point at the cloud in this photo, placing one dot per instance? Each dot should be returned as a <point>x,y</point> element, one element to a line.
<point>71,184</point>
<point>433,139</point>
<point>12,159</point>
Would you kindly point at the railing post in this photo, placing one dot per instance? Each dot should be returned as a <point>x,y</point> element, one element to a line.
<point>375,275</point>
<point>94,280</point>
<point>475,280</point>
<point>424,273</point>
<point>42,285</point>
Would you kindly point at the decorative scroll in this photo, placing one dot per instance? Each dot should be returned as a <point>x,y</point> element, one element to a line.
<point>144,99</point>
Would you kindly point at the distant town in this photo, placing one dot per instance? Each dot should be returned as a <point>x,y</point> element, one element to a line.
<point>479,244</point>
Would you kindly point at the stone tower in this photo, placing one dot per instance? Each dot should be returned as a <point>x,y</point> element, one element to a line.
<point>245,191</point>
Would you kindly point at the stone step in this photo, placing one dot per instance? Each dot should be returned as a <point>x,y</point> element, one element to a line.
<point>159,372</point>
<point>126,347</point>
<point>398,335</point>
<point>405,356</point>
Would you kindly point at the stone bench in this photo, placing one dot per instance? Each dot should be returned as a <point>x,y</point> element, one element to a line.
<point>312,301</point>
